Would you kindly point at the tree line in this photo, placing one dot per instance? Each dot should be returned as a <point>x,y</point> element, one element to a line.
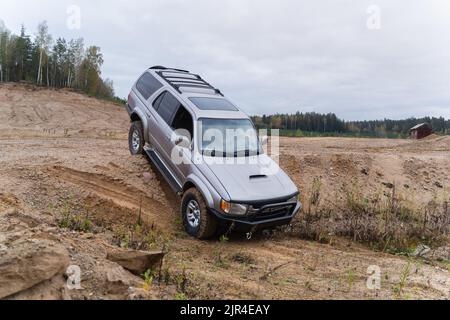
<point>52,63</point>
<point>316,124</point>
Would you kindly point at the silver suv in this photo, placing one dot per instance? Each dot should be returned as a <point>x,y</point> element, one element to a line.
<point>209,152</point>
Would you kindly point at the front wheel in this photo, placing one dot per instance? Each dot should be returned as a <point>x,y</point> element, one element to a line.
<point>136,138</point>
<point>198,222</point>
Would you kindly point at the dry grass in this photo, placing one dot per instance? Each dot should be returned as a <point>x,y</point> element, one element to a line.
<point>388,221</point>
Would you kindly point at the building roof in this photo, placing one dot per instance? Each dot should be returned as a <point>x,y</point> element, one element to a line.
<point>420,126</point>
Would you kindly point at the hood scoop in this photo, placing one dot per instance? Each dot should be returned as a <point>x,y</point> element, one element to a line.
<point>258,176</point>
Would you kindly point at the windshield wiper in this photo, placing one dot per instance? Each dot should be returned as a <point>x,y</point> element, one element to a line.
<point>209,153</point>
<point>247,153</point>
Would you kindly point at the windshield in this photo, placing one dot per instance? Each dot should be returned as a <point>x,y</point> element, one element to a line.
<point>229,138</point>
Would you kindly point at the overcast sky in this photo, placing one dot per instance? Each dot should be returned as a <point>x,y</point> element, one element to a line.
<point>273,56</point>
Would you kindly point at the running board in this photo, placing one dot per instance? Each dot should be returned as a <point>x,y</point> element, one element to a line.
<point>165,172</point>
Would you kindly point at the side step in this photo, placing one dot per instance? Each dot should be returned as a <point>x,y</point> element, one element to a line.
<point>166,173</point>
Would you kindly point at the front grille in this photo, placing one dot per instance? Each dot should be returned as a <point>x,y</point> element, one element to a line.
<point>276,210</point>
<point>259,204</point>
<point>270,211</point>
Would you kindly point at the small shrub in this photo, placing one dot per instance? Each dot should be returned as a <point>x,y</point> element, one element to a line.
<point>139,237</point>
<point>398,289</point>
<point>219,260</point>
<point>181,280</point>
<point>351,277</point>
<point>148,279</point>
<point>73,217</point>
<point>180,296</point>
<point>76,222</point>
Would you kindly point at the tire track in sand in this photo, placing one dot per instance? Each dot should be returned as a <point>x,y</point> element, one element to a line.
<point>121,194</point>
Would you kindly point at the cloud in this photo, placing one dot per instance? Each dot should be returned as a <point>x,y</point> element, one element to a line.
<point>271,56</point>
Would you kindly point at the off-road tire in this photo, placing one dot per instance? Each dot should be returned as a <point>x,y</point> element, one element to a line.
<point>136,127</point>
<point>208,224</point>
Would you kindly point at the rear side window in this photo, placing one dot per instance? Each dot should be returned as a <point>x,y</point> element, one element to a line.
<point>147,85</point>
<point>167,108</point>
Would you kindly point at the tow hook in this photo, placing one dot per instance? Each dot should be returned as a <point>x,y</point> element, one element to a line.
<point>250,234</point>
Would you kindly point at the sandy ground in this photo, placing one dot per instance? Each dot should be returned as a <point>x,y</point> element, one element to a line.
<point>60,147</point>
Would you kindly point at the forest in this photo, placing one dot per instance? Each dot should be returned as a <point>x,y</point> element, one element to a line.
<point>60,63</point>
<point>316,124</point>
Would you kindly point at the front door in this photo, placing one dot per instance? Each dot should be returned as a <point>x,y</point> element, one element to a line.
<point>167,109</point>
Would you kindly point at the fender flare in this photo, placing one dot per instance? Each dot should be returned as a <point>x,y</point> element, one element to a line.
<point>139,114</point>
<point>201,187</point>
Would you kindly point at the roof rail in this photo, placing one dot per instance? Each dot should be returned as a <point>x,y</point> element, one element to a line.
<point>186,80</point>
<point>164,68</point>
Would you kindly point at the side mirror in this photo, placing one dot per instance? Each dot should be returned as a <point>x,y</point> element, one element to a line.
<point>264,140</point>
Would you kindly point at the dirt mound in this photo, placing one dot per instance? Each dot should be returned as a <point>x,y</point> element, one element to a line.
<point>431,137</point>
<point>28,111</point>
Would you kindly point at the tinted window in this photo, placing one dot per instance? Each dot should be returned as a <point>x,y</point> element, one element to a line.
<point>147,85</point>
<point>158,101</point>
<point>168,107</point>
<point>183,120</point>
<point>213,104</point>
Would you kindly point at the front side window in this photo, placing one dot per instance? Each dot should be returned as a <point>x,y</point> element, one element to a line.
<point>167,108</point>
<point>158,101</point>
<point>229,138</point>
<point>183,123</point>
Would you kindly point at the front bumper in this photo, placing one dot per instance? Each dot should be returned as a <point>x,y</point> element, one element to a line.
<point>257,220</point>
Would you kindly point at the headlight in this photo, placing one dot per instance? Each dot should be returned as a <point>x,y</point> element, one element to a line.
<point>295,198</point>
<point>234,209</point>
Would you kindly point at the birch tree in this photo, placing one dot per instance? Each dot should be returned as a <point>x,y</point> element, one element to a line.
<point>3,45</point>
<point>43,42</point>
<point>76,56</point>
<point>92,66</point>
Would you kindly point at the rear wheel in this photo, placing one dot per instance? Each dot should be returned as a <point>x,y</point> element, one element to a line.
<point>136,138</point>
<point>197,220</point>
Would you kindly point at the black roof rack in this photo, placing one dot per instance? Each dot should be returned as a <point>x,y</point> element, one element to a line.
<point>186,80</point>
<point>164,68</point>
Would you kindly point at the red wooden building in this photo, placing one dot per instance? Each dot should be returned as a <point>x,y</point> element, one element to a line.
<point>421,131</point>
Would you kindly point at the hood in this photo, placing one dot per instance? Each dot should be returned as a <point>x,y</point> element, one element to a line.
<point>258,178</point>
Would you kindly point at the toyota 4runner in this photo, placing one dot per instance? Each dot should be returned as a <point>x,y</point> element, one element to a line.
<point>209,152</point>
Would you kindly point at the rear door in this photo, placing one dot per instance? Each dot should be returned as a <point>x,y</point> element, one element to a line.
<point>155,124</point>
